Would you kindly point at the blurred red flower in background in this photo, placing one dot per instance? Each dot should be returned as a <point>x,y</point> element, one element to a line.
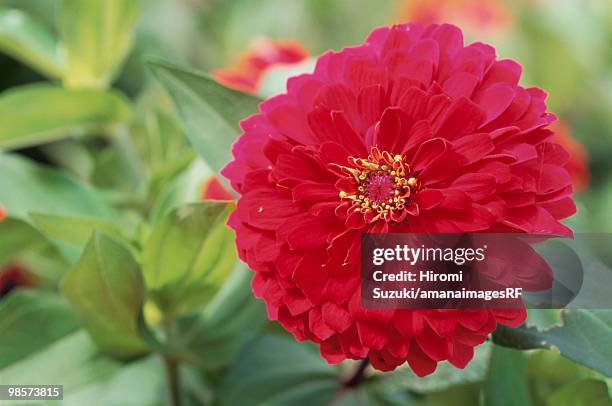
<point>212,189</point>
<point>14,276</point>
<point>264,53</point>
<point>477,16</point>
<point>577,165</point>
<point>410,131</point>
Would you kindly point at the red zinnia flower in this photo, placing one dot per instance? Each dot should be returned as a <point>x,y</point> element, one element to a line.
<point>473,153</point>
<point>2,213</point>
<point>246,73</point>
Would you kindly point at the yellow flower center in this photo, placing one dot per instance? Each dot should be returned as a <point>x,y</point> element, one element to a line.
<point>384,184</point>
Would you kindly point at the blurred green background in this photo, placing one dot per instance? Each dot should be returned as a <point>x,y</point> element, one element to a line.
<point>102,193</point>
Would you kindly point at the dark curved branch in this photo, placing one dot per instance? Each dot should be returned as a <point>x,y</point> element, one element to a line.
<point>358,374</point>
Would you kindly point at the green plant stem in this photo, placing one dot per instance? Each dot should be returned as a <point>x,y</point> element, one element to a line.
<point>172,379</point>
<point>351,383</point>
<point>171,364</point>
<point>358,374</point>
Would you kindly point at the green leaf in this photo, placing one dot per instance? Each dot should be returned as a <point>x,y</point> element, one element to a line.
<point>16,237</point>
<point>97,35</point>
<point>188,256</point>
<point>30,320</point>
<point>70,234</point>
<point>210,112</point>
<point>549,370</point>
<point>45,264</point>
<point>89,378</point>
<point>506,384</point>
<point>75,231</point>
<point>27,187</point>
<point>184,188</point>
<point>107,290</point>
<point>157,132</point>
<point>543,318</point>
<point>233,318</point>
<point>42,113</point>
<point>159,141</point>
<point>118,169</point>
<point>462,395</point>
<point>71,155</point>
<point>279,371</point>
<point>587,392</point>
<point>147,375</point>
<point>583,337</point>
<point>30,42</point>
<point>73,361</point>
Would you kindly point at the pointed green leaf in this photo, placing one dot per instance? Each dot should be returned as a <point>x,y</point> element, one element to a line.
<point>210,112</point>
<point>107,290</point>
<point>230,320</point>
<point>97,35</point>
<point>279,371</point>
<point>16,237</point>
<point>188,256</point>
<point>550,367</point>
<point>27,187</point>
<point>146,374</point>
<point>73,361</point>
<point>30,42</point>
<point>42,113</point>
<point>75,231</point>
<point>506,384</point>
<point>184,188</point>
<point>30,320</point>
<point>587,392</point>
<point>584,337</point>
